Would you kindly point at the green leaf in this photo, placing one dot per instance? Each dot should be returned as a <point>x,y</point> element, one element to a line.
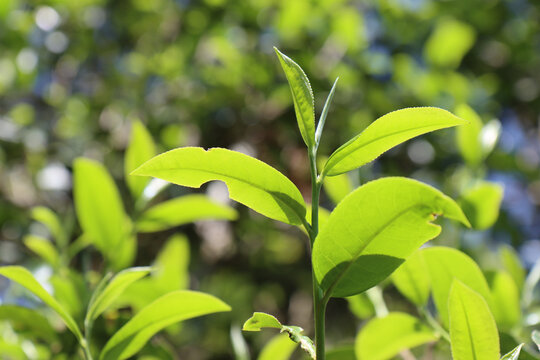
<point>280,347</point>
<point>361,306</point>
<point>535,336</point>
<point>99,207</point>
<point>412,279</point>
<point>445,265</point>
<point>449,42</point>
<point>505,296</point>
<point>337,187</point>
<point>48,218</point>
<point>28,320</point>
<point>250,181</point>
<point>468,137</point>
<point>324,114</point>
<point>43,248</point>
<point>141,148</point>
<point>302,98</point>
<point>383,338</point>
<point>386,132</point>
<point>66,290</point>
<point>481,204</point>
<point>114,289</point>
<point>374,229</point>
<point>167,310</point>
<point>473,333</point>
<point>512,264</point>
<point>345,352</point>
<point>182,210</point>
<point>514,354</point>
<point>261,320</point>
<point>24,278</point>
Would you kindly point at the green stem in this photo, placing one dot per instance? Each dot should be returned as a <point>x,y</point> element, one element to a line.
<point>86,349</point>
<point>434,324</point>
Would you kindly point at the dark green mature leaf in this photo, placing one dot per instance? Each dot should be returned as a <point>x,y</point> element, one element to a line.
<point>48,218</point>
<point>468,137</point>
<point>473,333</point>
<point>280,347</point>
<point>141,148</point>
<point>99,206</point>
<point>412,279</point>
<point>182,210</point>
<point>43,248</point>
<point>446,264</point>
<point>374,229</point>
<point>514,354</point>
<point>167,310</point>
<point>383,338</point>
<point>481,204</point>
<point>302,98</point>
<point>24,278</point>
<point>386,132</point>
<point>250,181</point>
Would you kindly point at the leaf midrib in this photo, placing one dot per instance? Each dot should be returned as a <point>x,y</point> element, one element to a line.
<point>469,332</point>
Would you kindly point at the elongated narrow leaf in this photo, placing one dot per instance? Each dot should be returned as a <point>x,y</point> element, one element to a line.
<point>481,204</point>
<point>280,347</point>
<point>302,98</point>
<point>99,206</point>
<point>324,114</point>
<point>468,137</point>
<point>261,320</point>
<point>24,278</point>
<point>374,229</point>
<point>412,279</point>
<point>43,248</point>
<point>445,265</point>
<point>383,338</point>
<point>535,336</point>
<point>386,132</point>
<point>114,289</point>
<point>167,310</point>
<point>514,354</point>
<point>473,333</point>
<point>250,181</point>
<point>48,218</point>
<point>505,300</point>
<point>141,148</point>
<point>182,210</point>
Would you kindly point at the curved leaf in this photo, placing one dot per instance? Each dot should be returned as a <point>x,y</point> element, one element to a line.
<point>505,300</point>
<point>374,229</point>
<point>302,98</point>
<point>473,333</point>
<point>43,248</point>
<point>468,137</point>
<point>324,114</point>
<point>512,264</point>
<point>412,279</point>
<point>383,338</point>
<point>28,320</point>
<point>261,320</point>
<point>48,218</point>
<point>141,148</point>
<point>182,210</point>
<point>386,132</point>
<point>167,310</point>
<point>280,347</point>
<point>24,278</point>
<point>481,204</point>
<point>250,181</point>
<point>514,354</point>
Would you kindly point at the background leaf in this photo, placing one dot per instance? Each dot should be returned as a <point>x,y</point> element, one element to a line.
<point>412,279</point>
<point>383,338</point>
<point>505,296</point>
<point>48,218</point>
<point>514,354</point>
<point>141,148</point>
<point>43,248</point>
<point>386,132</point>
<point>481,204</point>
<point>280,347</point>
<point>250,181</point>
<point>374,229</point>
<point>468,137</point>
<point>512,264</point>
<point>473,332</point>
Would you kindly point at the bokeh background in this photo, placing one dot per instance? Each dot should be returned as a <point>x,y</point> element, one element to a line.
<point>74,75</point>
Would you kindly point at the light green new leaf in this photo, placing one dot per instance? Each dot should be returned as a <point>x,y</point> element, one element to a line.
<point>99,207</point>
<point>182,210</point>
<point>512,264</point>
<point>48,218</point>
<point>445,265</point>
<point>141,148</point>
<point>261,320</point>
<point>386,132</point>
<point>374,229</point>
<point>167,310</point>
<point>481,204</point>
<point>468,137</point>
<point>361,306</point>
<point>302,98</point>
<point>24,278</point>
<point>337,187</point>
<point>514,354</point>
<point>412,279</point>
<point>324,114</point>
<point>280,347</point>
<point>113,290</point>
<point>473,333</point>
<point>505,296</point>
<point>43,248</point>
<point>250,181</point>
<point>383,338</point>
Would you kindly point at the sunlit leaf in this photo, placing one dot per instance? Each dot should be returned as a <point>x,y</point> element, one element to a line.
<point>514,354</point>
<point>361,306</point>
<point>43,248</point>
<point>261,320</point>
<point>324,114</point>
<point>505,296</point>
<point>383,338</point>
<point>473,332</point>
<point>412,279</point>
<point>302,98</point>
<point>28,320</point>
<point>449,42</point>
<point>250,181</point>
<point>512,264</point>
<point>182,210</point>
<point>67,290</point>
<point>445,265</point>
<point>337,187</point>
<point>386,132</point>
<point>374,229</point>
<point>468,137</point>
<point>48,218</point>
<point>24,278</point>
<point>141,148</point>
<point>167,310</point>
<point>280,347</point>
<point>481,204</point>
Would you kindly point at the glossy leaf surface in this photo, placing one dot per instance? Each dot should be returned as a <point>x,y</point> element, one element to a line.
<point>374,229</point>
<point>250,181</point>
<point>386,132</point>
<point>141,148</point>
